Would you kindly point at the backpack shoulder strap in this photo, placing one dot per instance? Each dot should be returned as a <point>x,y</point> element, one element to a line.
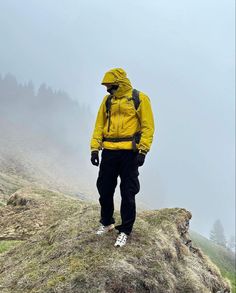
<point>108,111</point>
<point>135,98</point>
<point>108,104</point>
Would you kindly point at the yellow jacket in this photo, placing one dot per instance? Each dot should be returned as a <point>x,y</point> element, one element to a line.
<point>125,120</point>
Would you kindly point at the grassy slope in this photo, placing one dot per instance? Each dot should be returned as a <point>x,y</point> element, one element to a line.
<point>67,256</point>
<point>66,253</point>
<point>9,183</point>
<point>223,258</point>
<point>7,245</point>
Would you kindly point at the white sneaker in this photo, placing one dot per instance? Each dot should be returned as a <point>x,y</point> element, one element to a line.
<point>104,229</point>
<point>121,239</point>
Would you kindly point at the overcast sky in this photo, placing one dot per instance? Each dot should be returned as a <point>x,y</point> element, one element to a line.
<point>181,53</point>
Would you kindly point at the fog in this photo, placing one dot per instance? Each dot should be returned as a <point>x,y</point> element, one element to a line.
<point>180,53</point>
<point>39,136</point>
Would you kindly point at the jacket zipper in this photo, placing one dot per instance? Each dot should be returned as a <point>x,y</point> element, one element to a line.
<point>118,120</point>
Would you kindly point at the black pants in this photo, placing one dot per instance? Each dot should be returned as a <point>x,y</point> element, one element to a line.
<point>116,163</point>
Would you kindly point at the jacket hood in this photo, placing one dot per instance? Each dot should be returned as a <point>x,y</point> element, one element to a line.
<point>118,76</point>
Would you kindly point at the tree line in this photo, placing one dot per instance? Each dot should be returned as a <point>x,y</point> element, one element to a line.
<point>45,111</point>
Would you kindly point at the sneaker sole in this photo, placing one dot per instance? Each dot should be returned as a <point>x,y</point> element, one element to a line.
<point>119,245</point>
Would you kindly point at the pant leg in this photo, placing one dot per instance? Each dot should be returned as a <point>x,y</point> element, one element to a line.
<point>106,184</point>
<point>129,187</point>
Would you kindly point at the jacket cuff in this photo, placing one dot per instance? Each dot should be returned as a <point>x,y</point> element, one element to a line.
<point>94,150</point>
<point>143,152</point>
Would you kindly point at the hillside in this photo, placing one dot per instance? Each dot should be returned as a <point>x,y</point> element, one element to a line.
<point>50,245</point>
<point>222,257</point>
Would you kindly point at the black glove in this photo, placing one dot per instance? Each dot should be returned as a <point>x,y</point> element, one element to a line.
<point>140,159</point>
<point>95,158</point>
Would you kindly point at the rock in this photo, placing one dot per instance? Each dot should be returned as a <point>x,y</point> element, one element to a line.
<point>18,200</point>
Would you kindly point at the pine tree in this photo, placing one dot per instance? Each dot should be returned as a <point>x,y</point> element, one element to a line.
<point>217,234</point>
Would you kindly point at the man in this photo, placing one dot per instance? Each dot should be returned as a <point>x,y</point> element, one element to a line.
<point>124,131</point>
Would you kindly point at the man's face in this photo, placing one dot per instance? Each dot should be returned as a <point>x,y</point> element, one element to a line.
<point>108,85</point>
<point>111,87</point>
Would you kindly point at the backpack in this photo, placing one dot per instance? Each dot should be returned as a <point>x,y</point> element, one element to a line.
<point>136,137</point>
<point>135,98</point>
